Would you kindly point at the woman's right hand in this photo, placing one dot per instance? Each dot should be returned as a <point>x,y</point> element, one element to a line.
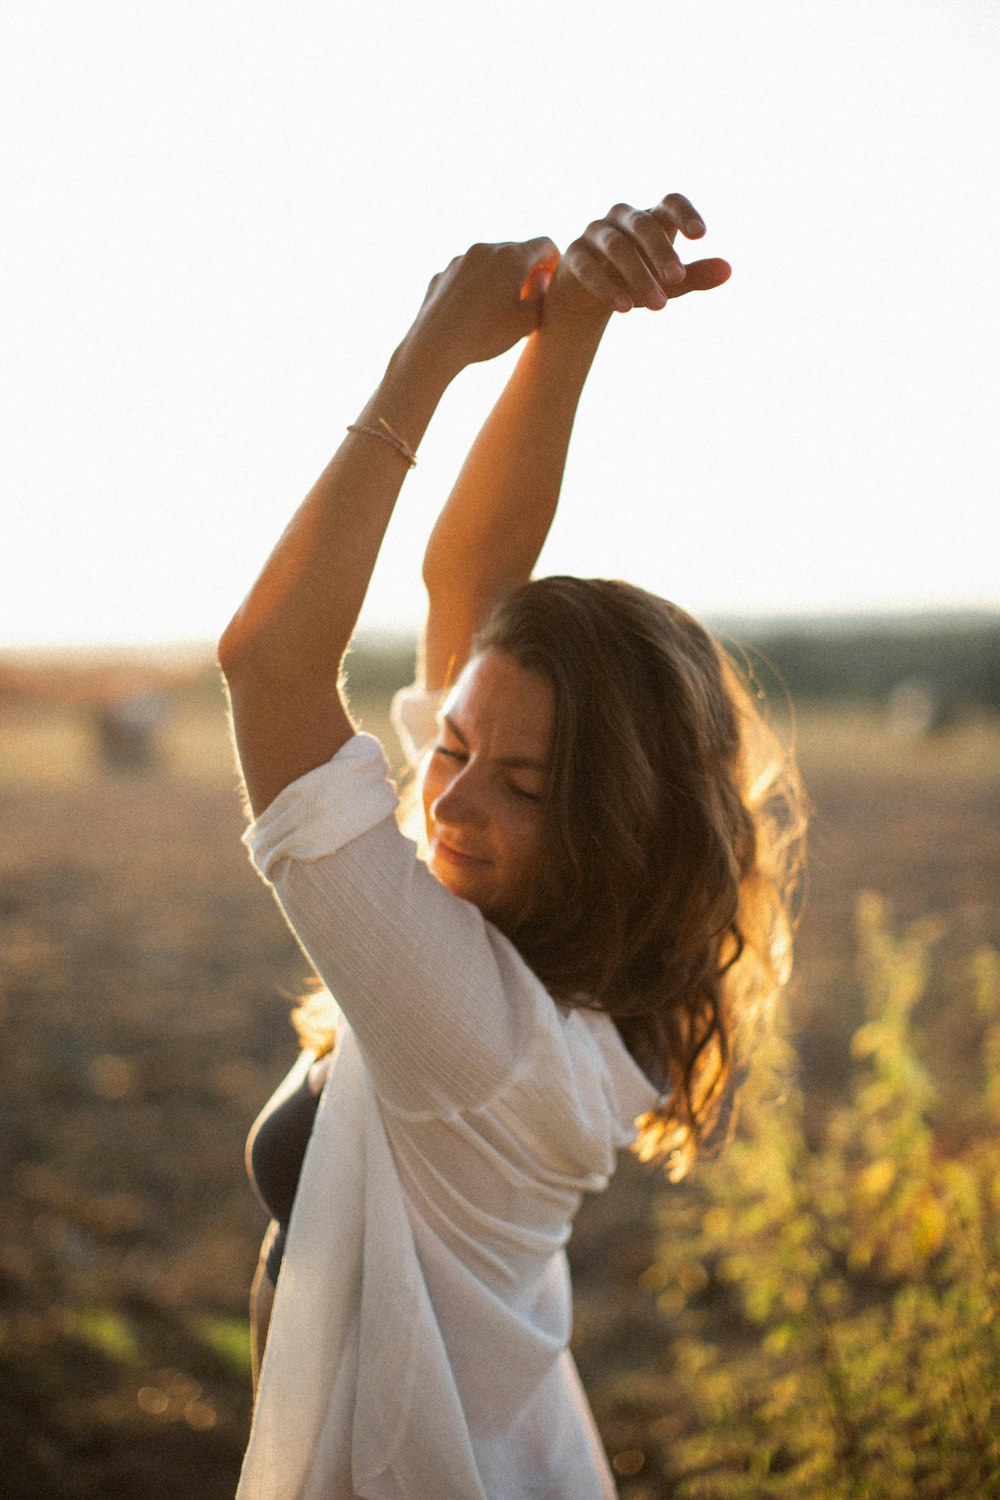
<point>484,302</point>
<point>627,259</point>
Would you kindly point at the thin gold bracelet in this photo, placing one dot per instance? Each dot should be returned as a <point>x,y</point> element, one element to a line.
<point>388,435</point>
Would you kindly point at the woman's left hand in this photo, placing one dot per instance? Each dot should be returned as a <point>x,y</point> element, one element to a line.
<point>627,259</point>
<point>483,303</point>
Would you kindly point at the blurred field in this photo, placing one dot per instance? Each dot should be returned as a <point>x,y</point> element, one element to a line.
<point>146,977</point>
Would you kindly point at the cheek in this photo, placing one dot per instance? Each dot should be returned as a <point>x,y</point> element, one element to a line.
<point>524,841</point>
<point>431,784</point>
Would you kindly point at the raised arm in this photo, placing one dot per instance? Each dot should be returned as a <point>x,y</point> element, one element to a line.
<point>488,537</point>
<point>282,651</point>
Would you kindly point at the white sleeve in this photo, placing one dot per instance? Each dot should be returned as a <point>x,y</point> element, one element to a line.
<point>414,714</point>
<point>441,1003</point>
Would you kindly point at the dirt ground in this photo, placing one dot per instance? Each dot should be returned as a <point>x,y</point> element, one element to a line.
<point>144,989</point>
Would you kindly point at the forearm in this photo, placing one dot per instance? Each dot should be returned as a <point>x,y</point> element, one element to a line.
<point>281,652</point>
<point>489,535</point>
<point>298,618</point>
<point>499,514</point>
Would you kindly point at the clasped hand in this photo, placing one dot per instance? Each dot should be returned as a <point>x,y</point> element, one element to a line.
<point>488,299</point>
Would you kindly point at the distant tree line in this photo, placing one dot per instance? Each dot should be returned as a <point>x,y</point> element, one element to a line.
<point>957,662</point>
<point>812,660</point>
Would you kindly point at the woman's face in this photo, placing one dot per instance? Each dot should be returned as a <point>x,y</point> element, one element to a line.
<point>485,781</point>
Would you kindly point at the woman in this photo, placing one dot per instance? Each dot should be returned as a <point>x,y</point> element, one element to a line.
<point>601,912</point>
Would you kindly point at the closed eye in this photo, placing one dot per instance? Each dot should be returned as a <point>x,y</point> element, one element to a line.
<point>446,750</point>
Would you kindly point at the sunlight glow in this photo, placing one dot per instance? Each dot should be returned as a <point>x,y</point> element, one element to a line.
<point>193,190</point>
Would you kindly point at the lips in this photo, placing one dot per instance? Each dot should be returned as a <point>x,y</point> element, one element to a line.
<point>462,858</point>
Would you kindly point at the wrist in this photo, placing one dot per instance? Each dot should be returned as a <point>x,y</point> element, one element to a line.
<point>567,342</point>
<point>405,400</point>
<point>423,361</point>
<point>409,392</point>
<point>574,323</point>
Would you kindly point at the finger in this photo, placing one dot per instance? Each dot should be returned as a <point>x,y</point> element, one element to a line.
<point>703,275</point>
<point>645,285</point>
<point>598,277</point>
<point>536,283</point>
<point>542,257</point>
<point>676,212</point>
<point>654,237</point>
<point>537,252</point>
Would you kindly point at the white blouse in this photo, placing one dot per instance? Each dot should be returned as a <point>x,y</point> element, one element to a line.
<point>418,1342</point>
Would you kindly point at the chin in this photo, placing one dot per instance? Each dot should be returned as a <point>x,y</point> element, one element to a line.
<point>496,911</point>
<point>459,882</point>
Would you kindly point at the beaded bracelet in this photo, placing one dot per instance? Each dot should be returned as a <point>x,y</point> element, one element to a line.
<point>388,435</point>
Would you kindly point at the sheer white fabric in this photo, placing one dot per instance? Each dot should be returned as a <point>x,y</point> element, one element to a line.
<point>418,1344</point>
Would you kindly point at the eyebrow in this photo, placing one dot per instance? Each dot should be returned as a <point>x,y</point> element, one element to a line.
<point>512,762</point>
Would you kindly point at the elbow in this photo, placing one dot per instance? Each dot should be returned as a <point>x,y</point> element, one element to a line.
<point>277,661</point>
<point>286,646</point>
<point>434,577</point>
<point>232,649</point>
<point>244,652</point>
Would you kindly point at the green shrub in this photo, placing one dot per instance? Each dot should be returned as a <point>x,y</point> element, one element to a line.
<point>838,1301</point>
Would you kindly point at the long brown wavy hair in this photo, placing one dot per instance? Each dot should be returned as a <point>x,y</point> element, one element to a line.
<point>674,825</point>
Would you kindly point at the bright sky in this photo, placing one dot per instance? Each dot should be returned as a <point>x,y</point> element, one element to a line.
<point>219,218</point>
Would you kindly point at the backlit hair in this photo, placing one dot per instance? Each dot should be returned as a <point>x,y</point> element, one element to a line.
<point>674,825</point>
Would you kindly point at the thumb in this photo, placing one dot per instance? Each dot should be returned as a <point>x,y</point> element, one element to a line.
<point>702,275</point>
<point>536,283</point>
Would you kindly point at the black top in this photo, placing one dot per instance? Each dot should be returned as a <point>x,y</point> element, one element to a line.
<point>275,1152</point>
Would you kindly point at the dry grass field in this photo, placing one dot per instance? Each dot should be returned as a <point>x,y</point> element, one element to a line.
<point>145,978</point>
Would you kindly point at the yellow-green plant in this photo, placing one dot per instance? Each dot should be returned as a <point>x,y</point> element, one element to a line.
<point>838,1302</point>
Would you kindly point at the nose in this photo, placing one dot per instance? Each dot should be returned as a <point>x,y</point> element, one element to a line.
<point>461,803</point>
